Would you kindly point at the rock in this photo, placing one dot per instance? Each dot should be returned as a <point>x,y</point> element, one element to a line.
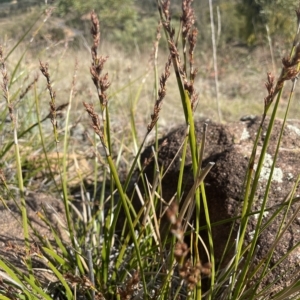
<point>230,146</point>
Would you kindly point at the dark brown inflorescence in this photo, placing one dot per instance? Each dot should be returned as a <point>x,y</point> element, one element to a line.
<point>101,82</point>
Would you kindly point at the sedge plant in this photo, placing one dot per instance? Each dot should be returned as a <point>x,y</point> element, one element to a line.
<point>113,248</point>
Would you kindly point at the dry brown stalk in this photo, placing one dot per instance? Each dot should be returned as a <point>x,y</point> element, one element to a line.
<point>45,71</point>
<point>188,34</point>
<point>189,272</point>
<point>96,125</point>
<point>95,119</point>
<point>187,18</point>
<point>161,94</point>
<point>174,51</point>
<point>189,87</point>
<point>290,71</point>
<point>83,283</point>
<point>158,35</point>
<point>59,111</point>
<point>270,88</point>
<point>4,84</point>
<point>148,160</point>
<point>176,222</point>
<point>166,9</point>
<point>131,286</point>
<point>4,73</point>
<point>28,88</point>
<point>153,56</point>
<point>95,31</point>
<point>192,39</point>
<point>101,82</point>
<point>73,91</point>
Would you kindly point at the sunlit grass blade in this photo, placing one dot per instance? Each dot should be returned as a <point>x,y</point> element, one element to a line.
<point>60,277</point>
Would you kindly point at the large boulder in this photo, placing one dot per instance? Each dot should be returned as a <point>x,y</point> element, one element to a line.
<point>230,146</point>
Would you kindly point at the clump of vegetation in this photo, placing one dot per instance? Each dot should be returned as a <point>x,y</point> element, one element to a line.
<point>105,247</point>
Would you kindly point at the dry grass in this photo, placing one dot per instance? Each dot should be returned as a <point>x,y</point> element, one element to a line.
<point>241,75</point>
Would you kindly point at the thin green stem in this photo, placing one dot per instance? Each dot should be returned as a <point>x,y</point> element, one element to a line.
<point>252,195</point>
<point>128,217</point>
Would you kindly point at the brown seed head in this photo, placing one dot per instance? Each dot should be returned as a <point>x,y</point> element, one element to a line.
<point>166,9</point>
<point>187,18</point>
<point>95,31</point>
<point>181,250</point>
<point>161,94</point>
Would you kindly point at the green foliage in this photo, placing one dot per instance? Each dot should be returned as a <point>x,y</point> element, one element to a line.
<point>114,14</point>
<point>120,21</point>
<point>232,22</point>
<point>262,13</point>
